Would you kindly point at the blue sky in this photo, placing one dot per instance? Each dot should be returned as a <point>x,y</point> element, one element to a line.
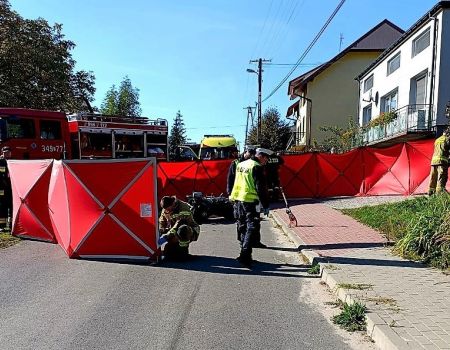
<point>192,55</point>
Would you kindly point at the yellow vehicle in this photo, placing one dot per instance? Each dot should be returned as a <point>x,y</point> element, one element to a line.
<point>217,147</point>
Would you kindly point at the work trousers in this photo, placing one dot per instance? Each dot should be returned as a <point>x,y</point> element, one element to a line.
<point>248,218</point>
<point>173,251</point>
<point>241,227</point>
<point>438,178</point>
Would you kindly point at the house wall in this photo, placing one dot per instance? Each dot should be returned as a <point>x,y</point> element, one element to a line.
<point>442,96</point>
<point>411,67</point>
<point>334,93</point>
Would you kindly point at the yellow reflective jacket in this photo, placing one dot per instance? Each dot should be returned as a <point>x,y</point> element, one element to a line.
<point>244,188</point>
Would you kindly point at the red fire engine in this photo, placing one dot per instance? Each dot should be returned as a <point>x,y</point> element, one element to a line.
<point>35,134</point>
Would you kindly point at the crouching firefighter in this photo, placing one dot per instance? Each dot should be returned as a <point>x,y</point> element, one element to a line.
<point>177,228</point>
<point>249,189</point>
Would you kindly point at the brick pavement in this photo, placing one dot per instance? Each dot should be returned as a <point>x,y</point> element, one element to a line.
<point>408,303</point>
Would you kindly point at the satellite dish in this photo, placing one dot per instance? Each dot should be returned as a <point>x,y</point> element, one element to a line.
<point>376,99</point>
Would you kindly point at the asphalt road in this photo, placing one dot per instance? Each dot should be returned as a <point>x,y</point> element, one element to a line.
<point>48,301</point>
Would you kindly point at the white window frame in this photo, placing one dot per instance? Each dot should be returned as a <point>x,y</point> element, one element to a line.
<point>366,83</point>
<point>389,63</point>
<point>386,100</point>
<point>425,34</point>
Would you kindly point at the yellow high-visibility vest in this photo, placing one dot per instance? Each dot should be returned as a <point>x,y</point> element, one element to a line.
<point>440,154</point>
<point>244,188</point>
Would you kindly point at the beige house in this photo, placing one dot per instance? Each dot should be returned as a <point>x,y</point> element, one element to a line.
<point>328,94</point>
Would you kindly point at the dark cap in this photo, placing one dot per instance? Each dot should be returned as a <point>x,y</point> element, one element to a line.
<point>250,149</point>
<point>6,149</point>
<point>167,201</point>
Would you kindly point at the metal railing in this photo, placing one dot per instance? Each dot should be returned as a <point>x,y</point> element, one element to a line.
<point>296,138</point>
<point>410,119</point>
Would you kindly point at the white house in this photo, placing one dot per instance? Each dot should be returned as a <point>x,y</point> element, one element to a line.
<point>411,80</point>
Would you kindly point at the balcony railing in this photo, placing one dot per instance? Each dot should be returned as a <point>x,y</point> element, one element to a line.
<point>410,119</point>
<point>297,138</point>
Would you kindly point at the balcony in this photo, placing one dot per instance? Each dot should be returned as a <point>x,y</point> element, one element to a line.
<point>412,122</point>
<point>297,138</point>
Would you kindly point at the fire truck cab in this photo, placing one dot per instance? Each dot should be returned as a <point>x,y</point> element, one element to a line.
<point>99,136</point>
<point>34,134</point>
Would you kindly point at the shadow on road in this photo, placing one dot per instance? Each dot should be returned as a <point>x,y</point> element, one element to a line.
<point>372,262</point>
<point>224,265</point>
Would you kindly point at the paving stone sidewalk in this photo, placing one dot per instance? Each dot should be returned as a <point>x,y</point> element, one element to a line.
<point>408,303</point>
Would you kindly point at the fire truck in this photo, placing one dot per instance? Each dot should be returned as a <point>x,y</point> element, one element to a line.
<point>36,134</point>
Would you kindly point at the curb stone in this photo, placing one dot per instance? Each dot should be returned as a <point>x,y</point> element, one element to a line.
<point>380,332</point>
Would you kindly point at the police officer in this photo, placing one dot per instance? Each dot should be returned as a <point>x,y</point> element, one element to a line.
<point>247,154</point>
<point>5,189</point>
<point>177,228</point>
<point>250,189</point>
<point>439,164</point>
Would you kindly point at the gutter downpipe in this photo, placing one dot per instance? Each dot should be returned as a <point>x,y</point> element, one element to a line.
<point>433,68</point>
<point>359,105</point>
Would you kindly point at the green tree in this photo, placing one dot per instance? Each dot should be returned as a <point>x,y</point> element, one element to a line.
<point>123,101</point>
<point>36,66</point>
<point>341,139</point>
<point>274,131</point>
<point>177,135</point>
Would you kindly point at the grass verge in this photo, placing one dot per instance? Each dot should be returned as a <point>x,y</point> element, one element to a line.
<point>420,227</point>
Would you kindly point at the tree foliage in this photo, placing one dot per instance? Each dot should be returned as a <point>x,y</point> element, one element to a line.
<point>341,139</point>
<point>177,135</point>
<point>37,68</point>
<point>274,131</point>
<point>123,101</point>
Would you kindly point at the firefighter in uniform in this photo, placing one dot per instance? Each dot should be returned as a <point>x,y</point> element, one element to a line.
<point>5,189</point>
<point>177,228</point>
<point>250,189</point>
<point>439,164</point>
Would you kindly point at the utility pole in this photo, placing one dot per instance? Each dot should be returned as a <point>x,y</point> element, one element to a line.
<point>259,72</point>
<point>249,117</point>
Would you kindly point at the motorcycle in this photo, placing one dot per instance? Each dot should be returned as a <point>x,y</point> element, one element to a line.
<point>205,206</point>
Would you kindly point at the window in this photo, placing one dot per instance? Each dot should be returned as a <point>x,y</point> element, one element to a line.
<point>21,128</point>
<point>368,83</point>
<point>50,129</point>
<point>367,114</point>
<point>389,101</point>
<point>393,64</point>
<point>421,42</point>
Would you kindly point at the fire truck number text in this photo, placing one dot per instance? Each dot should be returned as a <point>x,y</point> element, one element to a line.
<point>51,148</point>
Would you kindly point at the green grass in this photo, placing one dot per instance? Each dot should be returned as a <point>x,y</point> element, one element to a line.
<point>420,227</point>
<point>314,269</point>
<point>6,240</point>
<point>357,286</point>
<point>352,318</point>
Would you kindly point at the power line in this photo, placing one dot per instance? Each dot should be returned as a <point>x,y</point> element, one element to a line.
<point>216,127</point>
<point>307,50</point>
<point>263,27</point>
<point>293,64</point>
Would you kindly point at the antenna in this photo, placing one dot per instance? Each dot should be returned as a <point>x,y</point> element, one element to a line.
<point>341,40</point>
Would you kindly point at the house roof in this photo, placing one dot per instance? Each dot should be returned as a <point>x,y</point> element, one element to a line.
<point>436,8</point>
<point>376,39</point>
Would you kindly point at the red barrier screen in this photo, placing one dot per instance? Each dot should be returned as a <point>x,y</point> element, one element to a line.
<point>402,169</point>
